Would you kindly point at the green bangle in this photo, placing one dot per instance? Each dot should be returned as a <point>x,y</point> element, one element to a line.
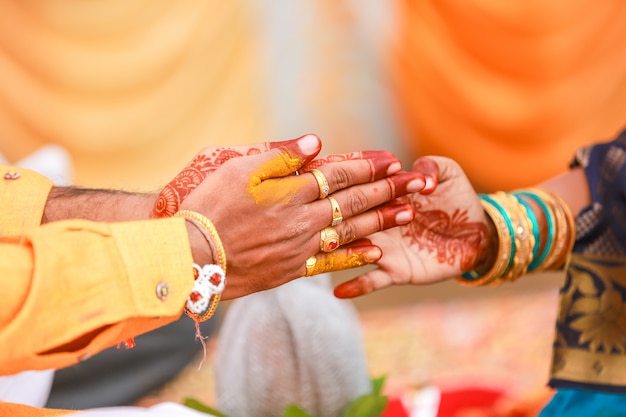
<point>472,275</point>
<point>533,220</point>
<point>551,230</point>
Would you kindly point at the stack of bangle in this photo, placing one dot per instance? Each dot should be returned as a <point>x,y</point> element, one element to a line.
<point>209,279</point>
<point>519,235</point>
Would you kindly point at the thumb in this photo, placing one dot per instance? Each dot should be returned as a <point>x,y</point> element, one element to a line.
<point>430,168</point>
<point>289,156</point>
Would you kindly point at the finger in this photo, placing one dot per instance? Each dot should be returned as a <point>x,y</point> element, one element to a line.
<point>358,227</point>
<point>429,167</point>
<point>384,217</point>
<point>380,160</point>
<point>286,159</point>
<point>358,199</point>
<point>364,284</point>
<point>347,174</point>
<point>357,254</point>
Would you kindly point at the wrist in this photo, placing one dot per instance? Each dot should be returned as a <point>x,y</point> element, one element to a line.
<point>488,249</point>
<point>201,250</point>
<point>209,277</point>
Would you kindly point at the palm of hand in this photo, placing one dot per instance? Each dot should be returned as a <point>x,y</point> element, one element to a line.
<point>442,241</point>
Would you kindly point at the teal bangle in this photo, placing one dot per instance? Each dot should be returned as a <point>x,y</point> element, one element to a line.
<point>533,221</point>
<point>472,275</point>
<point>551,230</point>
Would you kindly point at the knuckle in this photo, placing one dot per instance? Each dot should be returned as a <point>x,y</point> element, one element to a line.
<point>342,178</point>
<point>390,189</point>
<point>358,201</point>
<point>347,233</point>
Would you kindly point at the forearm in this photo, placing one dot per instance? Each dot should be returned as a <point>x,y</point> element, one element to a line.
<point>96,205</point>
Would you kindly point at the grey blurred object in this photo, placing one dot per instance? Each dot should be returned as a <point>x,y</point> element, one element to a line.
<point>123,376</point>
<point>296,344</point>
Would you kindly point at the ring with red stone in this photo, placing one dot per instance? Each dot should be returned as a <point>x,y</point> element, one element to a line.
<point>329,239</point>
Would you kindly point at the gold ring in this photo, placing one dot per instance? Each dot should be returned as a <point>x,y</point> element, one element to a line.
<point>322,182</point>
<point>337,216</point>
<point>310,266</point>
<point>329,239</point>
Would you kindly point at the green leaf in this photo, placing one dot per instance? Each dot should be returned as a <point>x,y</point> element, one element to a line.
<point>366,406</point>
<point>295,411</point>
<point>198,406</point>
<point>377,385</point>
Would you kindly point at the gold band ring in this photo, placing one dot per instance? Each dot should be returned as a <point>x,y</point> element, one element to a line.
<point>329,239</point>
<point>310,266</point>
<point>322,183</point>
<point>336,210</point>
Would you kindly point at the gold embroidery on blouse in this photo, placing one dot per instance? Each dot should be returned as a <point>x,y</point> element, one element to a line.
<point>590,342</point>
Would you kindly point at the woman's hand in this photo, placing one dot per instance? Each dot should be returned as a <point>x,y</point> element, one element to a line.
<point>446,238</point>
<point>270,220</point>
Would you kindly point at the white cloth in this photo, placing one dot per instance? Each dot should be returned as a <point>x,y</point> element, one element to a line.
<point>166,409</point>
<point>51,160</point>
<point>30,388</point>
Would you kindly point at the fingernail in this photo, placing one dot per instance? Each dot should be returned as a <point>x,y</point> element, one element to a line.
<point>394,167</point>
<point>391,212</point>
<point>348,289</point>
<point>309,144</point>
<point>430,183</point>
<point>373,254</point>
<point>416,185</point>
<point>405,217</point>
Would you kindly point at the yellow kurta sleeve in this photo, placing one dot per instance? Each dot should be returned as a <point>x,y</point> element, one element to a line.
<point>75,287</point>
<point>23,195</point>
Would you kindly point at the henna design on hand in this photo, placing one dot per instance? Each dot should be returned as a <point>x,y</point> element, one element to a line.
<point>449,237</point>
<point>379,162</point>
<point>203,164</point>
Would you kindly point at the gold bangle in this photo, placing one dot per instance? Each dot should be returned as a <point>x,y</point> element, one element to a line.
<point>523,237</point>
<point>210,228</point>
<point>505,242</point>
<point>565,229</point>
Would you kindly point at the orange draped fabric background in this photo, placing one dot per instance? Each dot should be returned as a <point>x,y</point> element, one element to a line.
<point>132,89</point>
<point>509,88</point>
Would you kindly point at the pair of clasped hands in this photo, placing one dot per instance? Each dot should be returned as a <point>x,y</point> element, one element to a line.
<point>272,213</point>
